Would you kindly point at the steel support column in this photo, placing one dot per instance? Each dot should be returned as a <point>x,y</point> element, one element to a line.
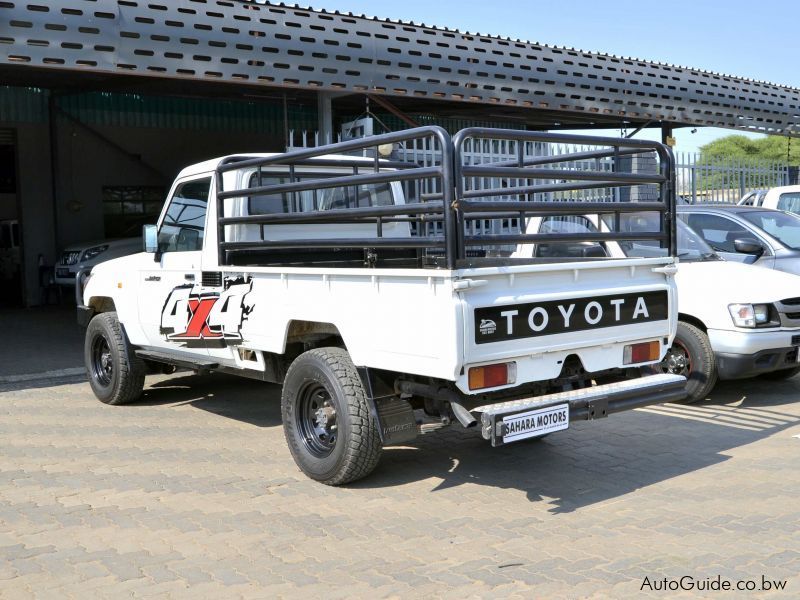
<point>325,115</point>
<point>666,135</point>
<point>52,122</point>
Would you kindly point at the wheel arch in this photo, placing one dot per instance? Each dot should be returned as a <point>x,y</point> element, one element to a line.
<point>693,321</point>
<point>102,304</point>
<point>313,334</point>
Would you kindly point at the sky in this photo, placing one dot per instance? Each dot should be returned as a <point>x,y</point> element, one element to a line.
<point>758,40</point>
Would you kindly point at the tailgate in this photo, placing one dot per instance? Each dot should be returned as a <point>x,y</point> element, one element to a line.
<point>547,312</point>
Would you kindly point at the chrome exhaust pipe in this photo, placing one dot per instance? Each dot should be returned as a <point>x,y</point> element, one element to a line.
<point>438,393</point>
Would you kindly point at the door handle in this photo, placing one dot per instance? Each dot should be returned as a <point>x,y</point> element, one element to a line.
<point>153,278</point>
<point>189,277</point>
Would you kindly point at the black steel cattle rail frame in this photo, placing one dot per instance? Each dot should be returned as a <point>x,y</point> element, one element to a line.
<point>520,170</point>
<point>291,160</point>
<point>456,203</point>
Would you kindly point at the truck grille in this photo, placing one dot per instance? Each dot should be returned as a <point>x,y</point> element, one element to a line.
<point>212,279</point>
<point>791,302</point>
<point>70,258</point>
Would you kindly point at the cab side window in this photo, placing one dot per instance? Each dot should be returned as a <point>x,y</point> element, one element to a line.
<point>185,220</point>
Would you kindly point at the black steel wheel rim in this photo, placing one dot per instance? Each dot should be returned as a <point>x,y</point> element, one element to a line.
<point>677,361</point>
<point>316,420</point>
<point>102,361</point>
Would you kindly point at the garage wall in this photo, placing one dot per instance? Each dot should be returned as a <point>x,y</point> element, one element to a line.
<point>106,139</point>
<point>92,157</point>
<point>35,203</point>
<point>8,207</point>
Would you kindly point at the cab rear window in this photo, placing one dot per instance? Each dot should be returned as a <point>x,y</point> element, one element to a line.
<point>361,196</point>
<point>790,202</point>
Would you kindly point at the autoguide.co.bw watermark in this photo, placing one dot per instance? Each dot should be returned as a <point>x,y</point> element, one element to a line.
<point>712,584</point>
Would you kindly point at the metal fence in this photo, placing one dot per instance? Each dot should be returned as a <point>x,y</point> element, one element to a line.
<point>486,152</point>
<point>726,180</point>
<point>699,179</point>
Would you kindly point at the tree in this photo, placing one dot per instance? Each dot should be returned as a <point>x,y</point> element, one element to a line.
<point>737,162</point>
<point>771,148</point>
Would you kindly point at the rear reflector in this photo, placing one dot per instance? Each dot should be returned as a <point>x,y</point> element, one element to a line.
<point>490,376</point>
<point>641,353</point>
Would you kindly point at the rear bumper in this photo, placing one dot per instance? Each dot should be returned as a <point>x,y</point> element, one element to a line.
<point>586,404</point>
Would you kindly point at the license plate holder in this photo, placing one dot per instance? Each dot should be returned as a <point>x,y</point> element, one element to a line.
<point>534,423</point>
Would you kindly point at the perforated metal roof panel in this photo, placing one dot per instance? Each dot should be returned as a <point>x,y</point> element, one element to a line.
<point>280,46</point>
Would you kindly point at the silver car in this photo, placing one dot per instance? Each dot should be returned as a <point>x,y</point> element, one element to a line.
<point>87,255</point>
<point>748,234</point>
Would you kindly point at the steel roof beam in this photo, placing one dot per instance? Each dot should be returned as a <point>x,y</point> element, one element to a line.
<point>276,46</point>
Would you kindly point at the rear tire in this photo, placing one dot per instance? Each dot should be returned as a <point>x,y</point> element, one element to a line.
<point>326,418</point>
<point>115,373</point>
<point>690,355</point>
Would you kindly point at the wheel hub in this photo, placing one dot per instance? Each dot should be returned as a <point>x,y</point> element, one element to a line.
<point>677,361</point>
<point>316,420</point>
<point>102,361</point>
<point>325,415</point>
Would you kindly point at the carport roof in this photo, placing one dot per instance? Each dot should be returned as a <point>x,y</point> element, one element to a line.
<point>225,48</point>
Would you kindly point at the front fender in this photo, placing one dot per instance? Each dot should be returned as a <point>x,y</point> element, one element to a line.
<point>114,286</point>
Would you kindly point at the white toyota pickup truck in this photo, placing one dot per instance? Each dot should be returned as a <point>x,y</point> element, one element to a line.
<point>373,293</point>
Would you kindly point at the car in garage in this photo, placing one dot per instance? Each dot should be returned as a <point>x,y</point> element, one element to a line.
<point>752,235</point>
<point>727,329</point>
<point>88,254</point>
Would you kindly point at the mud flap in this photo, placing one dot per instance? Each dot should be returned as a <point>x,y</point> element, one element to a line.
<point>396,421</point>
<point>393,415</point>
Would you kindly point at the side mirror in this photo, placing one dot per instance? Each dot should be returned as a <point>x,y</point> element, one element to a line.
<point>150,237</point>
<point>748,246</point>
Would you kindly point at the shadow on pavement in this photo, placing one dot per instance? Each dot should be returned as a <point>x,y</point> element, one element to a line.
<point>599,461</point>
<point>245,400</point>
<point>588,464</point>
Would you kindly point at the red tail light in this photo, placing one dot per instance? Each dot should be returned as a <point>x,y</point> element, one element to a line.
<point>489,376</point>
<point>641,353</point>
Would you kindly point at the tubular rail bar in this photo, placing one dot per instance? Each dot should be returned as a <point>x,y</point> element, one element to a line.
<point>517,170</point>
<point>456,185</point>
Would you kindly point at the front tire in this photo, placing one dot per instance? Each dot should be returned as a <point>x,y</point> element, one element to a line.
<point>115,373</point>
<point>690,355</point>
<point>326,418</point>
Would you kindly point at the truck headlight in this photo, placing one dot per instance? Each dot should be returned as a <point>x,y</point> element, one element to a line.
<point>754,315</point>
<point>92,252</point>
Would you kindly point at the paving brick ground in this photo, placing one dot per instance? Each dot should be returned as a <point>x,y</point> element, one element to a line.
<point>192,494</point>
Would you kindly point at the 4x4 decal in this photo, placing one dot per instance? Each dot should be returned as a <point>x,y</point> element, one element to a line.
<point>195,317</point>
